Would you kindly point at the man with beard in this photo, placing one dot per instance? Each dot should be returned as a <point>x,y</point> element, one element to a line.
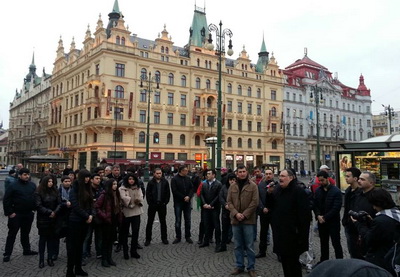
<point>243,201</point>
<point>157,195</point>
<point>290,221</point>
<point>327,205</point>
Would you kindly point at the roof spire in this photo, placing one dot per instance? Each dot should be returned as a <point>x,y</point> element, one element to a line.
<point>305,51</point>
<point>116,7</point>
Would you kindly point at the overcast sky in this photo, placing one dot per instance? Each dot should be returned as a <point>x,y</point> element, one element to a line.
<point>349,37</point>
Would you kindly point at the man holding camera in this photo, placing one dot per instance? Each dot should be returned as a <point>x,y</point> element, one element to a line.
<point>327,205</point>
<point>263,211</point>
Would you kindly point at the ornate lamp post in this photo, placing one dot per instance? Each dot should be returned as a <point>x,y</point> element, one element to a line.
<point>389,112</point>
<point>220,42</point>
<point>148,80</point>
<point>317,97</point>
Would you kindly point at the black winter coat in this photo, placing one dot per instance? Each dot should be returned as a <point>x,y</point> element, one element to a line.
<point>46,203</point>
<point>78,213</point>
<point>152,192</point>
<point>330,209</point>
<point>19,198</point>
<point>290,219</point>
<point>211,195</point>
<point>181,187</point>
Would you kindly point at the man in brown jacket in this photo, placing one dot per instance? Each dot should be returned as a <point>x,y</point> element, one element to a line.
<point>242,201</point>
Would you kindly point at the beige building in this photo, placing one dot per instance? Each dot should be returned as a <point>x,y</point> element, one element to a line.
<point>3,147</point>
<point>99,110</point>
<point>29,117</point>
<point>381,123</point>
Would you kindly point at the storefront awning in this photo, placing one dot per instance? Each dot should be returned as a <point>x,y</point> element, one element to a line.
<point>142,162</point>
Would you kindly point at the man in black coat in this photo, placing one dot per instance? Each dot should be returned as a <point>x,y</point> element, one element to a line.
<point>263,211</point>
<point>19,204</point>
<point>350,194</point>
<point>182,191</point>
<point>327,205</point>
<point>211,209</point>
<point>290,221</point>
<point>157,195</point>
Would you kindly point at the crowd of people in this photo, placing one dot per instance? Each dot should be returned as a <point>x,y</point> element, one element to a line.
<point>107,205</point>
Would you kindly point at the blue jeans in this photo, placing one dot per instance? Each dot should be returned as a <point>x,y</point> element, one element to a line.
<point>243,235</point>
<point>186,209</point>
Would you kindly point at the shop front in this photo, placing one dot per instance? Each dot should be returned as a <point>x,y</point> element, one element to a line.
<point>379,155</point>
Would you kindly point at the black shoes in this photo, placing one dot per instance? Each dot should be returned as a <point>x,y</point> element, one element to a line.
<point>104,263</point>
<point>112,263</point>
<point>118,248</point>
<point>29,253</point>
<point>204,244</point>
<point>176,241</point>
<point>189,240</point>
<point>81,273</point>
<point>41,264</point>
<point>139,246</point>
<point>126,256</point>
<point>220,249</point>
<point>50,262</point>
<point>135,255</point>
<point>6,258</point>
<point>147,243</point>
<point>260,255</point>
<point>165,241</point>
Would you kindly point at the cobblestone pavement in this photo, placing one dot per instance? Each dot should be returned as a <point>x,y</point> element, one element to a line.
<point>157,259</point>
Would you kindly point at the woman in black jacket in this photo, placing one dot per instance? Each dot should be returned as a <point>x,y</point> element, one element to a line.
<point>80,217</point>
<point>48,203</point>
<point>379,234</point>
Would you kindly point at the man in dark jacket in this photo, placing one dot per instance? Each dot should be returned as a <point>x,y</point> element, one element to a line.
<point>242,202</point>
<point>211,209</point>
<point>263,211</point>
<point>157,195</point>
<point>19,204</point>
<point>290,221</point>
<point>182,191</point>
<point>352,176</point>
<point>327,205</point>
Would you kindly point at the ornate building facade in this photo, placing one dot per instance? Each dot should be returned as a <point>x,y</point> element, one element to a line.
<point>98,104</point>
<point>28,117</point>
<point>344,114</point>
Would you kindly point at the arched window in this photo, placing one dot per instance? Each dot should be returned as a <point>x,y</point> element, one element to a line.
<point>171,79</point>
<point>239,143</point>
<point>210,102</point>
<point>143,73</point>
<point>239,90</point>
<point>198,83</point>
<point>122,41</point>
<point>118,40</point>
<point>183,81</point>
<point>229,88</point>
<point>119,92</point>
<point>142,137</point>
<point>166,50</point>
<point>156,138</point>
<point>182,140</point>
<point>249,91</point>
<point>259,144</point>
<point>208,84</point>
<point>258,93</point>
<point>229,142</point>
<point>96,92</point>
<point>158,76</point>
<point>117,136</point>
<point>169,138</point>
<point>162,49</point>
<point>197,140</point>
<point>249,143</point>
<point>217,85</point>
<point>273,111</point>
<point>198,62</point>
<point>274,144</point>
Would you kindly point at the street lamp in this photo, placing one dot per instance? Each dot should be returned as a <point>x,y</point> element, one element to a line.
<point>149,80</point>
<point>117,113</point>
<point>389,112</point>
<point>220,42</point>
<point>318,100</point>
